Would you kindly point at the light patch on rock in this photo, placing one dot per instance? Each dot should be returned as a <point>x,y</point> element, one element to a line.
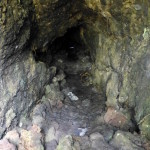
<point>146,33</point>
<point>5,145</point>
<point>115,118</point>
<point>50,134</point>
<point>10,115</point>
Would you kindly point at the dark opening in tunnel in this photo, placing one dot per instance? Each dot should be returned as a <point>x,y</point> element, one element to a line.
<point>69,44</point>
<point>67,53</point>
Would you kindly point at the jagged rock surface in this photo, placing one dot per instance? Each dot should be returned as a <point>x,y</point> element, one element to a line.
<point>116,34</point>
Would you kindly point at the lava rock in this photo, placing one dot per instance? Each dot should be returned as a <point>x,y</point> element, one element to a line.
<point>98,142</point>
<point>50,135</point>
<point>126,141</point>
<point>67,143</point>
<point>116,118</point>
<point>31,139</point>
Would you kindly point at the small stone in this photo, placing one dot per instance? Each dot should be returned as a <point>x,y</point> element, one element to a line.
<point>59,104</point>
<point>95,136</point>
<point>66,143</point>
<point>98,142</point>
<point>85,143</point>
<point>5,145</point>
<point>13,137</point>
<point>38,120</point>
<point>145,127</point>
<point>53,93</point>
<point>54,80</point>
<point>20,124</point>
<point>51,145</point>
<point>60,75</point>
<point>115,118</point>
<point>63,83</point>
<point>48,89</point>
<point>126,141</point>
<point>50,135</point>
<point>32,139</point>
<point>77,145</point>
<point>36,128</point>
<point>108,134</point>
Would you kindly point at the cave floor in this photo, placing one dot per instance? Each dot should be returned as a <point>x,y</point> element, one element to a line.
<point>77,118</point>
<point>73,116</point>
<point>79,124</point>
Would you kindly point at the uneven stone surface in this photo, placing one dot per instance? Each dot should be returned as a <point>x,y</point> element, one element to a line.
<point>23,82</point>
<point>38,67</point>
<point>126,141</point>
<point>116,118</point>
<point>31,139</point>
<point>121,56</point>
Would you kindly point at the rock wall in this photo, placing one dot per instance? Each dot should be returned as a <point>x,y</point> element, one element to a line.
<point>27,27</point>
<point>121,55</point>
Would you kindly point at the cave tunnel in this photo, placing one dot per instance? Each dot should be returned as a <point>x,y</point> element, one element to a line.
<point>76,104</point>
<point>68,53</point>
<point>75,75</point>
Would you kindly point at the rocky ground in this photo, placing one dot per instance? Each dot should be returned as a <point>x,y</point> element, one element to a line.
<point>72,116</point>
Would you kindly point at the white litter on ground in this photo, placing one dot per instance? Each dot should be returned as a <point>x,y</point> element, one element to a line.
<point>72,96</point>
<point>82,131</point>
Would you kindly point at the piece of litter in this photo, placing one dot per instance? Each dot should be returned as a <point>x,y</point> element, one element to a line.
<point>72,96</point>
<point>82,131</point>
